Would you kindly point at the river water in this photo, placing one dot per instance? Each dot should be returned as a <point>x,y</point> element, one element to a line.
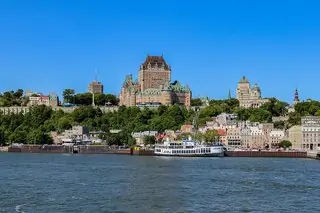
<point>114,183</point>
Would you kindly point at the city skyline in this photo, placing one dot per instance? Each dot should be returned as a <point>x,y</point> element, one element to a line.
<point>209,46</point>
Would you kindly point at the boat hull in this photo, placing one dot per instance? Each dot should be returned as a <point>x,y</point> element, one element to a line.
<point>191,155</point>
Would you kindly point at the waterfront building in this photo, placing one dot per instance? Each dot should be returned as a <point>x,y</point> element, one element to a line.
<point>246,137</point>
<point>275,137</point>
<point>310,138</point>
<point>249,97</point>
<point>154,86</point>
<point>253,137</point>
<point>293,134</point>
<point>139,136</point>
<point>266,129</point>
<point>234,137</point>
<point>258,138</point>
<point>95,87</point>
<point>222,133</point>
<point>77,133</point>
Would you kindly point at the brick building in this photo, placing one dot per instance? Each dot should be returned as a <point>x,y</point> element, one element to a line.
<point>95,87</point>
<point>154,86</point>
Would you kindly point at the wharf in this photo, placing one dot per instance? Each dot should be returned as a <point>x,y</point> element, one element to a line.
<point>314,155</point>
<point>273,154</point>
<point>101,149</point>
<point>4,148</point>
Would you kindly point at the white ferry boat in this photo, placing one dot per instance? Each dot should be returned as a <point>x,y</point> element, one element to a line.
<point>188,148</point>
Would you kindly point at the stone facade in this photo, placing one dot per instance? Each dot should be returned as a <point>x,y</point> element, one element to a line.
<point>275,137</point>
<point>14,110</point>
<point>154,86</point>
<point>249,97</point>
<point>310,137</point>
<point>47,100</point>
<point>95,87</point>
<point>253,137</point>
<point>234,137</point>
<point>294,136</point>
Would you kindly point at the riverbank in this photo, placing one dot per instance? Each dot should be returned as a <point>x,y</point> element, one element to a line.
<point>4,148</point>
<point>100,149</point>
<point>314,155</point>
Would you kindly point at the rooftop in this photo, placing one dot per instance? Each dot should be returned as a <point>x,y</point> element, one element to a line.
<point>243,80</point>
<point>155,61</point>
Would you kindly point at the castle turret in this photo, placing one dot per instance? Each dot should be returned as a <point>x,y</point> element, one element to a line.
<point>296,97</point>
<point>255,92</point>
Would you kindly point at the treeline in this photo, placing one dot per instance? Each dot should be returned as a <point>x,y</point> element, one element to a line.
<point>35,126</point>
<point>263,114</point>
<point>13,98</point>
<point>85,99</point>
<point>18,98</point>
<point>306,108</point>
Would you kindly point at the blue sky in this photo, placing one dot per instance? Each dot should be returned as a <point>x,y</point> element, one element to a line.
<point>50,45</point>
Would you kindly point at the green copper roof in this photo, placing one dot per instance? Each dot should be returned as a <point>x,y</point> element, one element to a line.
<point>177,87</point>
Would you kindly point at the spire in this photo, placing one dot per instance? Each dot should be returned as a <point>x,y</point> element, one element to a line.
<point>96,75</point>
<point>229,94</point>
<point>296,97</point>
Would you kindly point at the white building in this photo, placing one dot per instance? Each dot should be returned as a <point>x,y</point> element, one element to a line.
<point>310,132</point>
<point>275,137</point>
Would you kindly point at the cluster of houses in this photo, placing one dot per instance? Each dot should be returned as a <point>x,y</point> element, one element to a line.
<point>249,135</point>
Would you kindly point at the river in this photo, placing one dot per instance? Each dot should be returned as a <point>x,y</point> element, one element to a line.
<point>32,183</point>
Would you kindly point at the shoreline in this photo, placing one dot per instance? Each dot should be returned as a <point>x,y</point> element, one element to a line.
<point>100,149</point>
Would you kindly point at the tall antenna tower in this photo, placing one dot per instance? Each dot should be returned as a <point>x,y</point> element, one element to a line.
<point>96,75</point>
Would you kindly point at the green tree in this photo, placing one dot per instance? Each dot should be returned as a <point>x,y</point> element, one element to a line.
<point>19,136</point>
<point>69,95</point>
<point>2,139</point>
<point>196,102</point>
<point>149,140</point>
<point>210,135</point>
<point>184,136</point>
<point>285,144</point>
<point>34,137</point>
<point>279,124</point>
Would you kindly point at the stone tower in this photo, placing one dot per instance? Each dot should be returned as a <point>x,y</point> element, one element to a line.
<point>154,72</point>
<point>255,92</point>
<point>243,90</point>
<point>296,97</point>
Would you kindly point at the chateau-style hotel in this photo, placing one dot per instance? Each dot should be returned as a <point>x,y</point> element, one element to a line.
<point>154,86</point>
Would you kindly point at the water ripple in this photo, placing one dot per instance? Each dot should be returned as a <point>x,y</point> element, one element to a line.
<point>112,183</point>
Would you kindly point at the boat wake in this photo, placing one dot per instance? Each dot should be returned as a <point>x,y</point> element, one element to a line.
<point>18,208</point>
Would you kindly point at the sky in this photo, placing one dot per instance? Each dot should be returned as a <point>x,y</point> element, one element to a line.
<point>47,46</point>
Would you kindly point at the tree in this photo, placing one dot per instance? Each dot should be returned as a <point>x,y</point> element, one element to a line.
<point>18,136</point>
<point>196,102</point>
<point>34,137</point>
<point>2,139</point>
<point>184,136</point>
<point>210,135</point>
<point>68,95</point>
<point>149,140</point>
<point>279,125</point>
<point>285,144</point>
